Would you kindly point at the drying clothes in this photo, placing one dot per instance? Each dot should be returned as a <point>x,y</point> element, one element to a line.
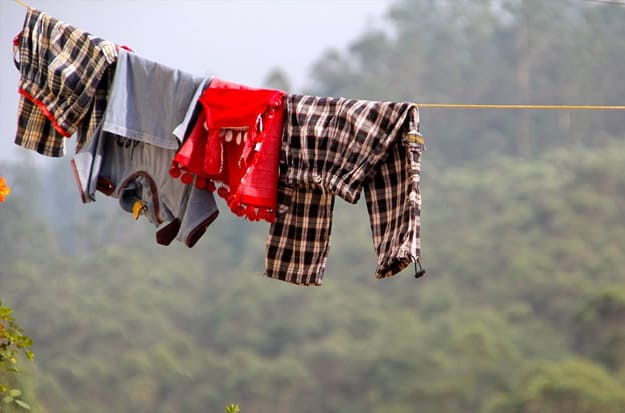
<point>338,146</point>
<point>236,141</point>
<point>137,174</point>
<point>129,156</point>
<point>61,70</point>
<point>150,100</point>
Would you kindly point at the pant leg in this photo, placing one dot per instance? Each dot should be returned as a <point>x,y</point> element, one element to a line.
<point>298,242</point>
<point>394,204</point>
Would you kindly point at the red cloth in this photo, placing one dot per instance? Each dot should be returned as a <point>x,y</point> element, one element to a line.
<point>236,141</point>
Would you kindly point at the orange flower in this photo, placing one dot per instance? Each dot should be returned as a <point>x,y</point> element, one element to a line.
<point>4,189</point>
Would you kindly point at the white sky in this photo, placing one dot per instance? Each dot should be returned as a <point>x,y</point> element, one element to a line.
<point>236,40</point>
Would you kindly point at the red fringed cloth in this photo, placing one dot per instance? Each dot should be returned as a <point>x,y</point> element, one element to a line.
<point>236,142</point>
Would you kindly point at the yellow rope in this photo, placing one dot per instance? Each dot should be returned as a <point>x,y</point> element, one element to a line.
<point>478,106</point>
<point>619,3</point>
<point>541,107</point>
<point>22,3</point>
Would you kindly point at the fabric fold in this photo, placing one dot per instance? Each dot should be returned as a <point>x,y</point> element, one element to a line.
<point>338,146</point>
<point>62,83</point>
<point>235,142</point>
<point>129,156</point>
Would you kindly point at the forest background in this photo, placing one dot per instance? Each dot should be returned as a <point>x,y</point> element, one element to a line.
<point>522,309</point>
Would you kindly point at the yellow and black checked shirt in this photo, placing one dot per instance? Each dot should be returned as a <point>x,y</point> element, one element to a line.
<point>338,146</point>
<point>63,83</point>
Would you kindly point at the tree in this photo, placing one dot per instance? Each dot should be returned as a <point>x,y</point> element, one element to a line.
<point>490,51</point>
<point>278,79</point>
<point>13,343</point>
<point>600,333</point>
<point>572,386</point>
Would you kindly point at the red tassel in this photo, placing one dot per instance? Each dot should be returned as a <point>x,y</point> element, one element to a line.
<point>251,213</point>
<point>271,217</point>
<point>200,183</point>
<point>175,172</point>
<point>223,192</point>
<point>187,178</point>
<point>238,209</point>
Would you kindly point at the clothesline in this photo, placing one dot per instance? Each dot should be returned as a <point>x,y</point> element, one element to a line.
<point>489,106</point>
<point>130,149</point>
<point>618,3</point>
<point>515,106</point>
<point>22,3</point>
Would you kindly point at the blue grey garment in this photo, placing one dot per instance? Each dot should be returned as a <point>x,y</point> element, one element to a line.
<point>130,154</point>
<point>149,100</point>
<point>134,171</point>
<point>192,113</point>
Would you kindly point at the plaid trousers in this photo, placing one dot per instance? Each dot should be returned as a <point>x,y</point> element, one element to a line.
<point>338,146</point>
<point>64,78</point>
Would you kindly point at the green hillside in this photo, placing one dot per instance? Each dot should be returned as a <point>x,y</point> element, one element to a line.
<point>523,305</point>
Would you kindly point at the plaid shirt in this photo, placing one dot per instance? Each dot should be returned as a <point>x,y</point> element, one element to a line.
<point>340,146</point>
<point>61,92</point>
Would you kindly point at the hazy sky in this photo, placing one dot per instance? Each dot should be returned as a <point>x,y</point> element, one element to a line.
<point>237,40</point>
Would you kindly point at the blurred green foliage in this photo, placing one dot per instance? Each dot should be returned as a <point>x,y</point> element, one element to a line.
<point>522,309</point>
<point>490,51</point>
<point>13,344</point>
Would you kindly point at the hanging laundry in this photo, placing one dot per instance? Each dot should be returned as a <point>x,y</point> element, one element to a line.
<point>235,141</point>
<point>338,146</point>
<point>128,157</point>
<point>61,85</point>
<point>279,158</point>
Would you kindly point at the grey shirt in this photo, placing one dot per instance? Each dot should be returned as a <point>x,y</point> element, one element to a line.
<point>129,156</point>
